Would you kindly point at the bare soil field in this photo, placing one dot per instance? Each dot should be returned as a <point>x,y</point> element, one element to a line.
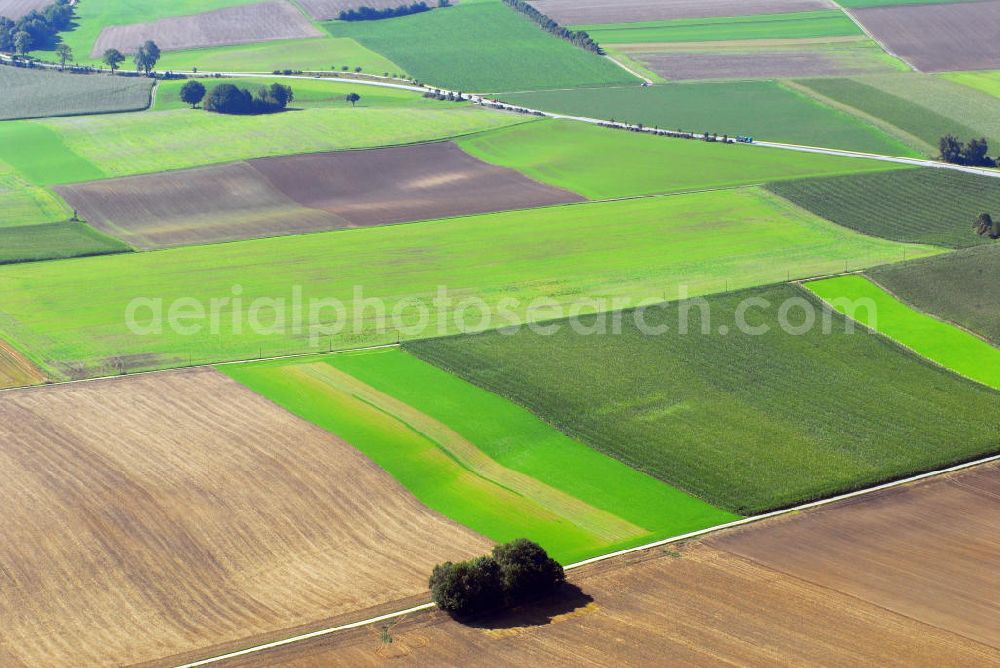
<point>150,516</point>
<point>752,65</point>
<point>326,10</point>
<point>233,25</point>
<point>304,193</point>
<point>204,205</point>
<point>15,370</point>
<point>939,37</point>
<point>15,9</point>
<point>569,12</point>
<point>903,577</point>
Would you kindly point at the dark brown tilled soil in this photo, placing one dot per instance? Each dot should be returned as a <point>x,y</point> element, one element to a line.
<point>233,25</point>
<point>568,12</point>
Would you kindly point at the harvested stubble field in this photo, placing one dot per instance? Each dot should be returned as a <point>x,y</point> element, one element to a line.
<point>304,193</point>
<point>561,153</point>
<point>15,370</point>
<point>747,422</point>
<point>941,342</point>
<point>924,205</point>
<point>783,592</point>
<point>245,24</point>
<point>958,287</point>
<point>15,9</point>
<point>326,10</point>
<point>939,37</point>
<point>706,241</point>
<point>575,12</point>
<point>476,457</point>
<point>36,92</point>
<point>761,109</point>
<point>146,517</point>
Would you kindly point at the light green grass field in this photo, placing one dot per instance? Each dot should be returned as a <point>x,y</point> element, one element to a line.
<point>601,163</point>
<point>796,25</point>
<point>68,150</point>
<point>762,109</point>
<point>53,241</point>
<point>749,422</point>
<point>939,341</point>
<point>481,46</point>
<point>36,93</point>
<point>23,203</point>
<point>476,457</point>
<point>987,81</point>
<point>297,54</point>
<point>628,251</point>
<point>308,93</point>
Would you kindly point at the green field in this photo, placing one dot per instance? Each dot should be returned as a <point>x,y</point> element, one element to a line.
<point>476,457</point>
<point>23,203</point>
<point>297,54</point>
<point>68,150</point>
<point>481,46</point>
<point>959,287</point>
<point>53,241</point>
<point>601,163</point>
<point>987,81</point>
<point>918,124</point>
<point>748,423</point>
<point>35,93</point>
<point>924,205</point>
<point>308,93</point>
<point>796,25</point>
<point>762,109</point>
<point>941,342</point>
<point>621,253</point>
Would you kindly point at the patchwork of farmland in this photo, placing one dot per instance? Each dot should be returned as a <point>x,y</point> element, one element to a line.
<point>938,37</point>
<point>783,591</point>
<point>925,205</point>
<point>569,12</point>
<point>742,413</point>
<point>35,93</point>
<point>702,242</point>
<point>959,287</point>
<point>304,193</point>
<point>762,109</point>
<point>481,46</point>
<point>125,544</point>
<point>476,457</point>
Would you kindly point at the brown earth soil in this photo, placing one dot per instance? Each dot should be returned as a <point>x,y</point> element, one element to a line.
<point>233,25</point>
<point>568,12</point>
<point>153,515</point>
<point>325,10</point>
<point>937,38</point>
<point>15,370</point>
<point>15,9</point>
<point>755,65</point>
<point>903,577</point>
<point>304,193</point>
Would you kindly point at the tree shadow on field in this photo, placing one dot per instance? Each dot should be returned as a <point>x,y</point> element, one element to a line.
<point>541,612</point>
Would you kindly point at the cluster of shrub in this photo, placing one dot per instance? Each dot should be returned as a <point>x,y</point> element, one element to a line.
<point>973,154</point>
<point>710,137</point>
<point>36,29</point>
<point>372,14</point>
<point>987,227</point>
<point>229,99</point>
<point>438,94</point>
<point>579,38</point>
<point>516,572</point>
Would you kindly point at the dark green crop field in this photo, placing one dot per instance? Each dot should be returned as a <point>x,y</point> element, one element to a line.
<point>960,287</point>
<point>53,241</point>
<point>748,423</point>
<point>926,205</point>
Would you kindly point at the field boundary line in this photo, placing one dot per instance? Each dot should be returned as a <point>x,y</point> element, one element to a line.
<point>611,555</point>
<point>872,37</point>
<point>629,69</point>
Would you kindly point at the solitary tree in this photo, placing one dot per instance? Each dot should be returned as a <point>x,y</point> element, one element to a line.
<point>22,42</point>
<point>357,69</point>
<point>65,55</point>
<point>113,58</point>
<point>353,98</point>
<point>987,227</point>
<point>192,93</point>
<point>146,56</point>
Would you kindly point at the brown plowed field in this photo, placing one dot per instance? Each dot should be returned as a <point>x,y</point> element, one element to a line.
<point>15,9</point>
<point>568,12</point>
<point>325,10</point>
<point>16,371</point>
<point>937,38</point>
<point>150,516</point>
<point>904,577</point>
<point>304,193</point>
<point>233,25</point>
